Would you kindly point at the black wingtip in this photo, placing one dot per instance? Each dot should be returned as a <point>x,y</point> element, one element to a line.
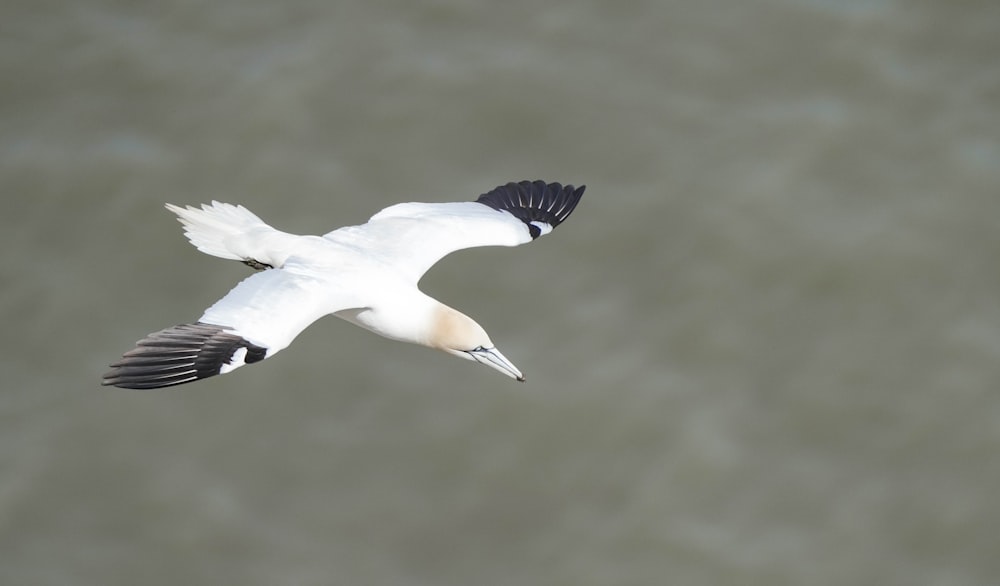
<point>535,202</point>
<point>179,355</point>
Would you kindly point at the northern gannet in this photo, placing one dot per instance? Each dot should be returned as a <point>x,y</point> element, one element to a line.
<point>365,274</point>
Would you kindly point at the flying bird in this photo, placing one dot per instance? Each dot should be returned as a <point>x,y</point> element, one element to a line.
<point>365,274</point>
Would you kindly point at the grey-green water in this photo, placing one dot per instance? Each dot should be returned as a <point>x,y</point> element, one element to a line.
<point>765,349</point>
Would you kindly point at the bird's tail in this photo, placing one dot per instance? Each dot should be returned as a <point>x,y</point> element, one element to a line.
<point>213,228</point>
<point>230,231</point>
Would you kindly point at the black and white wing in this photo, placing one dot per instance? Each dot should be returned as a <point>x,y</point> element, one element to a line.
<point>259,317</point>
<point>411,237</point>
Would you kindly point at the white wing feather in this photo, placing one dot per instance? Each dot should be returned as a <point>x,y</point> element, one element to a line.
<point>411,237</point>
<point>272,307</point>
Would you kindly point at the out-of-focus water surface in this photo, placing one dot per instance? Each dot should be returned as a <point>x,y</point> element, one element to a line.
<point>765,349</point>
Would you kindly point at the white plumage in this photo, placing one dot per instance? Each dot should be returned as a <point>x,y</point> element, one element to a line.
<point>365,274</point>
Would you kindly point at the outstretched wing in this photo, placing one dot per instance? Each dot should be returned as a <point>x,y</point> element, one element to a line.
<point>411,237</point>
<point>259,317</point>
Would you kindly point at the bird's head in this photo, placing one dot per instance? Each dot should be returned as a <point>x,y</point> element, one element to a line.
<point>459,335</point>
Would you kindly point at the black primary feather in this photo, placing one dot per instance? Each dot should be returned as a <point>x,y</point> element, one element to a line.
<point>180,354</point>
<point>534,201</point>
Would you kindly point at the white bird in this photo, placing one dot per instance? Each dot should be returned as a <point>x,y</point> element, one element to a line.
<point>365,274</point>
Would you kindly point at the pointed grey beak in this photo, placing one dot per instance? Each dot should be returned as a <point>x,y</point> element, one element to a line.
<point>494,359</point>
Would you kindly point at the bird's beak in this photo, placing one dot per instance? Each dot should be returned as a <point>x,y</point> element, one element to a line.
<point>494,359</point>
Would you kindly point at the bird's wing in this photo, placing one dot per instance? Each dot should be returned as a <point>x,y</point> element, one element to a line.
<point>259,317</point>
<point>411,237</point>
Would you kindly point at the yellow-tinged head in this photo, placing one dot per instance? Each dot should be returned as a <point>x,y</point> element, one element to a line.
<point>459,335</point>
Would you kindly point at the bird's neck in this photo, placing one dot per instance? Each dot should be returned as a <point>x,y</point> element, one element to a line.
<point>417,318</point>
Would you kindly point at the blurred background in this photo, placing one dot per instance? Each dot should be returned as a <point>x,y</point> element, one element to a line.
<point>764,350</point>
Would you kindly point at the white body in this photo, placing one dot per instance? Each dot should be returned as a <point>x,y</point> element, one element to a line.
<point>365,274</point>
